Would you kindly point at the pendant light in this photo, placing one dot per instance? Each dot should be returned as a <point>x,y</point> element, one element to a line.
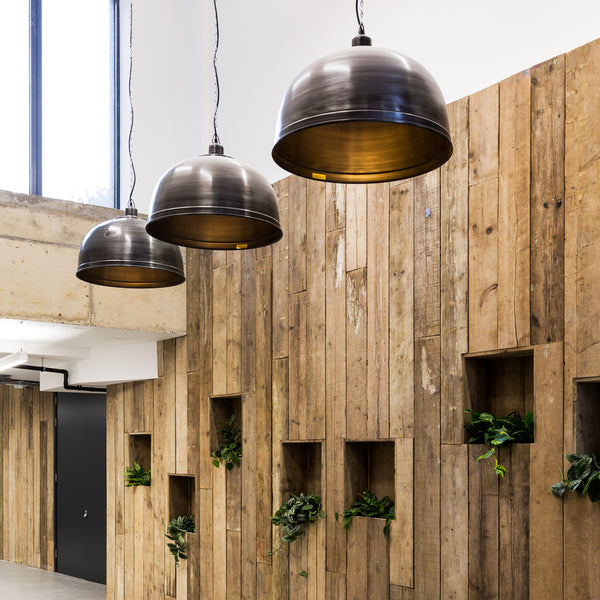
<point>214,201</point>
<point>362,115</point>
<point>119,252</point>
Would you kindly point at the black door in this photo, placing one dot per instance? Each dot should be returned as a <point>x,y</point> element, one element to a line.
<point>81,485</point>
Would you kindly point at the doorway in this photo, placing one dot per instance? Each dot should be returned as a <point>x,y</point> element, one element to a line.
<point>80,532</point>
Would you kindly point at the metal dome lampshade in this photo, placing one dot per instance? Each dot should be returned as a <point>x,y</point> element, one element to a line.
<point>214,201</point>
<point>362,115</point>
<point>119,252</point>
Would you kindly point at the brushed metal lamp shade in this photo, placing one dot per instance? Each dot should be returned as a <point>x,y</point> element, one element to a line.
<point>362,115</point>
<point>119,253</point>
<point>214,201</point>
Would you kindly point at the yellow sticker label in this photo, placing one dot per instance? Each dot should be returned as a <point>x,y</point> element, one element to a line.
<point>241,246</point>
<point>320,176</point>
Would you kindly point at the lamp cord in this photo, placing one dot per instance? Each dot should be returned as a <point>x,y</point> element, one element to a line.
<point>360,17</point>
<point>130,203</point>
<point>217,87</point>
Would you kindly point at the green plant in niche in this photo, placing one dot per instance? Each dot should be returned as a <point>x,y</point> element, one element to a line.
<point>583,477</point>
<point>136,475</point>
<point>175,532</point>
<point>230,450</point>
<point>294,514</point>
<point>484,428</point>
<point>369,505</point>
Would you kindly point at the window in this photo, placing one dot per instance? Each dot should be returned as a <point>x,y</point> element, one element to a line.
<point>58,122</point>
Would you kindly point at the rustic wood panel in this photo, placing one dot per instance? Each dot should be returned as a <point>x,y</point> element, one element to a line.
<point>454,240</point>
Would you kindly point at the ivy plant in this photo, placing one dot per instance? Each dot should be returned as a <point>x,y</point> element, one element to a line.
<point>294,514</point>
<point>175,532</point>
<point>368,505</point>
<point>583,477</point>
<point>136,475</point>
<point>484,428</point>
<point>230,450</point>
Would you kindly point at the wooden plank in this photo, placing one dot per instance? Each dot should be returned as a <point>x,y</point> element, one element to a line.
<point>547,200</point>
<point>513,509</point>
<point>483,527</point>
<point>181,405</point>
<point>454,236</point>
<point>335,394</point>
<point>132,529</point>
<point>297,235</point>
<point>249,502</point>
<point>427,467</point>
<point>219,331</point>
<point>335,203</point>
<point>148,543</point>
<point>483,135</point>
<point>402,528</point>
<point>357,576</point>
<point>297,368</point>
<point>159,487</point>
<point>298,554</point>
<point>513,211</point>
<point>281,276</point>
<point>545,544</point>
<point>234,565</point>
<point>219,534</point>
<point>262,441</point>
<point>315,311</point>
<point>356,227</point>
<point>336,585</point>
<point>248,331</point>
<point>483,266</point>
<point>378,246</point>
<point>356,359</point>
<point>205,531</point>
<point>233,303</point>
<point>378,557</point>
<point>401,593</point>
<point>264,582</point>
<point>401,330</point>
<point>234,499</point>
<point>427,254</point>
<point>454,526</point>
<point>137,531</point>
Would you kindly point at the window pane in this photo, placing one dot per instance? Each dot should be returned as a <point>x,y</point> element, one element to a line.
<point>77,101</point>
<point>14,96</point>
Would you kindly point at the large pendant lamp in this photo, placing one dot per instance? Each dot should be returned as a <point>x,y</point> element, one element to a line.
<point>362,115</point>
<point>119,252</point>
<point>214,201</point>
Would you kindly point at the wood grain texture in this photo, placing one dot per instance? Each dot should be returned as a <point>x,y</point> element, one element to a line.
<point>454,268</point>
<point>513,211</point>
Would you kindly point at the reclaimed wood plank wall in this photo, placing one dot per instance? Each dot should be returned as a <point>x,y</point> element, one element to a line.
<point>349,351</point>
<point>27,476</point>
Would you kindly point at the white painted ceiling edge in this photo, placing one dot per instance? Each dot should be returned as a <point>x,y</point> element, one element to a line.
<point>93,356</point>
<point>465,44</point>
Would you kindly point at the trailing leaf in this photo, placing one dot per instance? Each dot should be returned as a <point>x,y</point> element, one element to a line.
<point>368,505</point>
<point>294,514</point>
<point>484,428</point>
<point>583,477</point>
<point>230,450</point>
<point>175,532</point>
<point>136,475</point>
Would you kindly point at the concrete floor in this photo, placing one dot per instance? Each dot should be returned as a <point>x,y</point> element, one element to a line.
<point>27,583</point>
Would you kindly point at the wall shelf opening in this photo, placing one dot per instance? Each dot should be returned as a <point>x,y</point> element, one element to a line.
<point>587,417</point>
<point>221,409</point>
<point>301,468</point>
<point>140,449</point>
<point>182,496</point>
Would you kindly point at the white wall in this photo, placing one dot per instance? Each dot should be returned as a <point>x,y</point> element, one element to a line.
<point>466,44</point>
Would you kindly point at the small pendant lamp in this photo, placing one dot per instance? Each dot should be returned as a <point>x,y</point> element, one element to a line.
<point>214,201</point>
<point>119,252</point>
<point>362,115</point>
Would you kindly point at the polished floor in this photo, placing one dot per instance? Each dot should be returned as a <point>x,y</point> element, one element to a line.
<point>27,583</point>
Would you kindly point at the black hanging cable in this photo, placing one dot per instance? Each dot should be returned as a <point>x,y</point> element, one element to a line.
<point>217,87</point>
<point>130,203</point>
<point>360,17</point>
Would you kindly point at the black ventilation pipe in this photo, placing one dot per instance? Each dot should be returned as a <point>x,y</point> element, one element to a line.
<point>65,374</point>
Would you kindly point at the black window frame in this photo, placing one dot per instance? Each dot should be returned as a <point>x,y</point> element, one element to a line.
<point>35,98</point>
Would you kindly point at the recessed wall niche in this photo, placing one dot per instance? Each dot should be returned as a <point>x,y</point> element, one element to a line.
<point>500,383</point>
<point>221,409</point>
<point>182,491</point>
<point>140,449</point>
<point>369,465</point>
<point>587,417</point>
<point>301,471</point>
